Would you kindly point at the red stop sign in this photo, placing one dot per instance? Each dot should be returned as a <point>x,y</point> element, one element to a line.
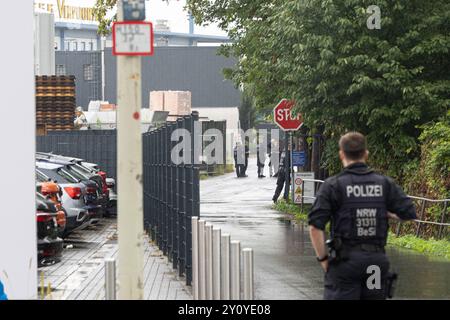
<point>283,116</point>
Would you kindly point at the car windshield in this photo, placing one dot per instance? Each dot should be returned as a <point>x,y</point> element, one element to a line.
<point>57,176</point>
<point>82,169</point>
<point>40,177</point>
<point>62,172</point>
<point>74,172</point>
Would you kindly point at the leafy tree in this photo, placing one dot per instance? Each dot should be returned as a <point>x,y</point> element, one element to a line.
<point>385,83</point>
<point>101,9</point>
<point>247,111</point>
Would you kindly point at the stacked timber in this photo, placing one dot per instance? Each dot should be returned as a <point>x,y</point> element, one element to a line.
<point>55,102</point>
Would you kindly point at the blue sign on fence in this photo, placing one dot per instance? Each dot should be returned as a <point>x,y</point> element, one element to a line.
<point>298,158</point>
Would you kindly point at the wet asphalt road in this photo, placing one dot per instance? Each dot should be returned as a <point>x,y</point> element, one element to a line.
<point>285,265</point>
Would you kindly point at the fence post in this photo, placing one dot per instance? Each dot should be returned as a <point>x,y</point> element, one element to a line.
<point>172,186</point>
<point>209,260</point>
<point>444,213</point>
<point>216,264</point>
<point>164,190</point>
<point>303,194</point>
<point>247,254</point>
<point>422,212</point>
<point>110,279</point>
<point>225,267</point>
<point>201,260</point>
<point>195,257</point>
<point>235,270</point>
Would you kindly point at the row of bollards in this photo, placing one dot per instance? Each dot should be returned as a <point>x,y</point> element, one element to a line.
<point>216,265</point>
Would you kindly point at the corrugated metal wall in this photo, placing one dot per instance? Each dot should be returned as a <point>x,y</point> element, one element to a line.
<point>195,69</point>
<point>74,62</point>
<point>96,146</point>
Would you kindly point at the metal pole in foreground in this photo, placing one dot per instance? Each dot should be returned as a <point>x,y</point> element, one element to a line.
<point>129,174</point>
<point>209,260</point>
<point>201,261</point>
<point>195,257</point>
<point>247,254</point>
<point>216,264</point>
<point>225,267</point>
<point>110,279</point>
<point>235,270</point>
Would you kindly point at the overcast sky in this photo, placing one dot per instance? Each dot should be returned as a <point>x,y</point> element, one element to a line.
<point>157,9</point>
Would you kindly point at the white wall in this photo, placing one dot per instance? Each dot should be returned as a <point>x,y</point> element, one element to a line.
<point>44,43</point>
<point>17,216</point>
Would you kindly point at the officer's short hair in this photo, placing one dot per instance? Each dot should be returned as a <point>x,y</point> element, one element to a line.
<point>354,145</point>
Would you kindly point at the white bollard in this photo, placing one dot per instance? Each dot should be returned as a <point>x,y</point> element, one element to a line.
<point>195,284</point>
<point>225,267</point>
<point>201,261</point>
<point>110,279</point>
<point>216,264</point>
<point>247,256</point>
<point>235,270</point>
<point>209,260</point>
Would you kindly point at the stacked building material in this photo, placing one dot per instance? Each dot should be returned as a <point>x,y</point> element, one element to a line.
<point>177,103</point>
<point>55,102</point>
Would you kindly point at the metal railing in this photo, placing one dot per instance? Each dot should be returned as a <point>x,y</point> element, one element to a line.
<point>216,265</point>
<point>171,194</point>
<point>420,202</point>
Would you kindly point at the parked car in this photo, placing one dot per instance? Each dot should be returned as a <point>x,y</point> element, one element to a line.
<point>109,202</point>
<point>52,192</point>
<point>78,199</point>
<point>76,168</point>
<point>50,246</point>
<point>111,183</point>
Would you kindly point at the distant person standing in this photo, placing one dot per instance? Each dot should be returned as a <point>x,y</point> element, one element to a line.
<point>246,154</point>
<point>239,160</point>
<point>281,177</point>
<point>80,122</point>
<point>260,162</point>
<point>273,152</point>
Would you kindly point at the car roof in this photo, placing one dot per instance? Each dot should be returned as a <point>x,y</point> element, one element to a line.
<point>48,165</point>
<point>51,156</point>
<point>56,161</point>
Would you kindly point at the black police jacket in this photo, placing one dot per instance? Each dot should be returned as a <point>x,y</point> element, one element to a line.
<point>356,201</point>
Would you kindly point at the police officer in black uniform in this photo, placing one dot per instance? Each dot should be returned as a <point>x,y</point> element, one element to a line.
<point>358,202</point>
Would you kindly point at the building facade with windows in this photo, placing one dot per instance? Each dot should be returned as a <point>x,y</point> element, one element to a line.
<point>76,28</point>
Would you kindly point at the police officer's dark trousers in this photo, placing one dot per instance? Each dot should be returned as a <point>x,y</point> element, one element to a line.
<point>355,278</point>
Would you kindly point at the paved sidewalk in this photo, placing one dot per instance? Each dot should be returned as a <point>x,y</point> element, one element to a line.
<point>285,264</point>
<point>80,274</point>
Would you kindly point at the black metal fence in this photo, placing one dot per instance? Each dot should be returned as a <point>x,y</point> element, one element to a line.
<point>432,216</point>
<point>171,194</point>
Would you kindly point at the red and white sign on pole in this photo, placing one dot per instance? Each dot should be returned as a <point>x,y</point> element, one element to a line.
<point>283,116</point>
<point>133,38</point>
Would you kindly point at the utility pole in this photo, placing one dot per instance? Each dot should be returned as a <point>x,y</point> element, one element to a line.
<point>129,161</point>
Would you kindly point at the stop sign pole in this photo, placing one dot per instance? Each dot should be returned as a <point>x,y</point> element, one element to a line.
<point>283,117</point>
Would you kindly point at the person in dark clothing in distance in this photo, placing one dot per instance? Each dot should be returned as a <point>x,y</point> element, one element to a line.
<point>281,177</point>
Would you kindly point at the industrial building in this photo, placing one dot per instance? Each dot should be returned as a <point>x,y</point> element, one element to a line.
<point>75,28</point>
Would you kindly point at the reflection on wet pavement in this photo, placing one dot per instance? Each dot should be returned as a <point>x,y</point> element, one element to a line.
<point>285,264</point>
